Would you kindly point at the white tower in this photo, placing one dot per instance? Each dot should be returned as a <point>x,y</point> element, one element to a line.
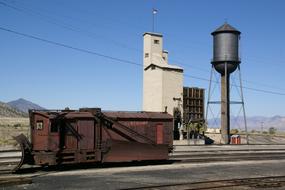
<point>162,83</point>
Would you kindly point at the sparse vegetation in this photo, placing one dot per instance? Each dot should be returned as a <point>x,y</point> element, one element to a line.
<point>253,131</point>
<point>8,111</point>
<point>272,130</point>
<point>10,127</point>
<point>234,131</point>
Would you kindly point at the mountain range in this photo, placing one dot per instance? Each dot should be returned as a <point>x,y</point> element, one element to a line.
<point>8,111</point>
<point>20,107</point>
<point>24,105</point>
<point>17,108</point>
<point>259,123</point>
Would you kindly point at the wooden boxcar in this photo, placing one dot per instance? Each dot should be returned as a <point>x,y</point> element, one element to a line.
<point>89,135</point>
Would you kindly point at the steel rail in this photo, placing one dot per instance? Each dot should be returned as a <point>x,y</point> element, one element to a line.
<point>258,182</point>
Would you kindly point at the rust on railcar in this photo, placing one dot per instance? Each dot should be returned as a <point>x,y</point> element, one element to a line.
<point>120,115</point>
<point>151,131</point>
<point>147,124</point>
<point>90,135</point>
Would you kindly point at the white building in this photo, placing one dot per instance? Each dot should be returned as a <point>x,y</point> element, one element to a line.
<point>162,83</point>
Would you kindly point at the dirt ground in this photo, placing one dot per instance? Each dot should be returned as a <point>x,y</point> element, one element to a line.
<point>10,127</point>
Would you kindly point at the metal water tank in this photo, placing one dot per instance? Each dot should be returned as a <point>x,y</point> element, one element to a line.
<point>226,48</point>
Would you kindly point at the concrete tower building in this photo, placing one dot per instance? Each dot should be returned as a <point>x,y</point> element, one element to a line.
<point>162,83</point>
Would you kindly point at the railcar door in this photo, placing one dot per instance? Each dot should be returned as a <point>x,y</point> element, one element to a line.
<point>68,139</point>
<point>40,132</point>
<point>159,134</point>
<point>53,135</point>
<point>86,131</point>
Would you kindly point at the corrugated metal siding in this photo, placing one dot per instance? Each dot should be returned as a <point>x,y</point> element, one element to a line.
<point>86,131</point>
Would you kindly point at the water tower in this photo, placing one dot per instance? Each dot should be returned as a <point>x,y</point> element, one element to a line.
<point>225,61</point>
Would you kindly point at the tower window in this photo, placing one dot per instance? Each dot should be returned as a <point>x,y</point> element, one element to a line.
<point>156,41</point>
<point>146,55</point>
<point>152,67</point>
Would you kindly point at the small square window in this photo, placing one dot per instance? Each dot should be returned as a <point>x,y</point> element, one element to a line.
<point>146,55</point>
<point>40,125</point>
<point>152,67</point>
<point>156,41</point>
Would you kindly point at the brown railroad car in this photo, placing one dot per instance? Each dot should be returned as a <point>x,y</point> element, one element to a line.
<point>89,135</point>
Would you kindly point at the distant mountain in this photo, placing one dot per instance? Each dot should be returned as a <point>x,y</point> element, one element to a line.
<point>256,123</point>
<point>8,111</point>
<point>24,105</point>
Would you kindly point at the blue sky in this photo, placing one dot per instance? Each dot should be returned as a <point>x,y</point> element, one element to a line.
<point>57,77</point>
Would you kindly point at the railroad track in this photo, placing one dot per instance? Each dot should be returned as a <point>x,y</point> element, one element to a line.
<point>9,159</point>
<point>226,150</point>
<point>275,182</point>
<point>227,155</point>
<point>11,180</point>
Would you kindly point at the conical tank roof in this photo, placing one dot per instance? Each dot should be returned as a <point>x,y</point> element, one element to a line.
<point>225,28</point>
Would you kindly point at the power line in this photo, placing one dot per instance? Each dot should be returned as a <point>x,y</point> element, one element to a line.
<point>91,34</point>
<point>70,47</point>
<point>119,59</point>
<point>65,25</point>
<point>245,87</point>
<point>75,29</point>
<point>73,18</point>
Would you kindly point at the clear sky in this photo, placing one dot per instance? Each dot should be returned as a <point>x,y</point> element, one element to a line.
<point>57,77</point>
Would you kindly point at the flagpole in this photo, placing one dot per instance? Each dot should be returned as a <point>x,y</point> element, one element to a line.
<point>154,11</point>
<point>153,20</point>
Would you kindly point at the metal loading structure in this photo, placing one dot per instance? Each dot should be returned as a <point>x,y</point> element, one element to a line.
<point>193,114</point>
<point>193,104</point>
<point>225,61</point>
<point>90,135</point>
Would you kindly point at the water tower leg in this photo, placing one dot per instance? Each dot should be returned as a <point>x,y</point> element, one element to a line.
<point>225,110</point>
<point>242,101</point>
<point>209,97</point>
